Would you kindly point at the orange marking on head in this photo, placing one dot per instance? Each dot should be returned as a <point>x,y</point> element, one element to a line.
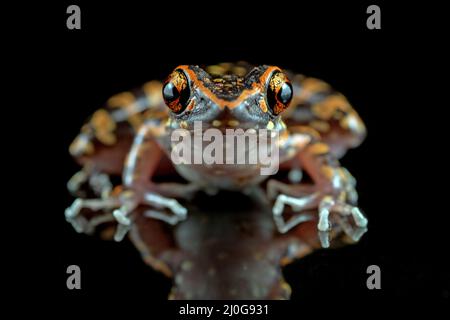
<point>263,105</point>
<point>222,103</point>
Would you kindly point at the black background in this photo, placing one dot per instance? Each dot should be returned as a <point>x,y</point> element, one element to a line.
<point>382,73</point>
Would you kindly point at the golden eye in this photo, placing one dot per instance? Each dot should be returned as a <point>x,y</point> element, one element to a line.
<point>176,92</point>
<point>279,92</point>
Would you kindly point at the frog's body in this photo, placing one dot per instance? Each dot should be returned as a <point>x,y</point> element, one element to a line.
<point>130,136</point>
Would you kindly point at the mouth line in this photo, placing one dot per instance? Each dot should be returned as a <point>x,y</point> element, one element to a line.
<point>229,130</point>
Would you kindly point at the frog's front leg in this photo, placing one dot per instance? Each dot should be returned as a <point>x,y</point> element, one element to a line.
<point>105,139</point>
<point>330,193</point>
<point>140,165</point>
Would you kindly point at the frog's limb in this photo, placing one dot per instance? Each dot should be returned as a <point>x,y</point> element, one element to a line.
<point>99,162</point>
<point>142,161</point>
<point>99,182</point>
<point>326,206</point>
<point>123,203</point>
<point>91,204</point>
<point>275,187</point>
<point>79,223</point>
<point>181,190</point>
<point>103,144</point>
<point>82,225</point>
<point>77,180</point>
<point>140,165</point>
<point>329,192</point>
<point>170,219</point>
<point>155,200</point>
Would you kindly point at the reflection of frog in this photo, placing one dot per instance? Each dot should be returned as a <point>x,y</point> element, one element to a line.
<point>314,133</point>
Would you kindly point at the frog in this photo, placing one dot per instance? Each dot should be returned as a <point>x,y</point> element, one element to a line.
<point>130,137</point>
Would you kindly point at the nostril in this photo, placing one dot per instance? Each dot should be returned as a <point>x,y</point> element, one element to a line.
<point>233,123</point>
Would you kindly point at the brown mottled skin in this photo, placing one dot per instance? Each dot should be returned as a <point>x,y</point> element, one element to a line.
<point>129,137</point>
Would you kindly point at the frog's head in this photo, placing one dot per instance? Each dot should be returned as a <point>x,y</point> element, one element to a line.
<point>219,97</point>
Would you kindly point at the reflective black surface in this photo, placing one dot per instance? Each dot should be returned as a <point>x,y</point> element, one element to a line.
<point>121,47</point>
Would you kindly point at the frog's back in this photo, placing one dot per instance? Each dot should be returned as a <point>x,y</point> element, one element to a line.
<point>325,113</point>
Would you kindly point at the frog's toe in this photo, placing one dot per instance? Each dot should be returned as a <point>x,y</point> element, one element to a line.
<point>327,206</point>
<point>121,232</point>
<point>121,216</point>
<point>91,204</point>
<point>74,209</point>
<point>76,217</point>
<point>324,213</point>
<point>360,219</point>
<point>355,233</point>
<point>158,201</point>
<point>101,184</point>
<point>324,237</point>
<point>343,211</point>
<point>78,223</point>
<point>298,205</point>
<point>76,181</point>
<point>130,202</point>
<point>159,215</point>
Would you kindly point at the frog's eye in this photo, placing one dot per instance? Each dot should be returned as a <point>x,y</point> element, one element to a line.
<point>176,91</point>
<point>279,92</point>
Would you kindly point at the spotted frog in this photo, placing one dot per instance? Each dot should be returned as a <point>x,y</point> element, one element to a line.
<point>130,137</point>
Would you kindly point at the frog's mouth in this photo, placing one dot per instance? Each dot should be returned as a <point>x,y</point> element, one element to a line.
<point>235,150</point>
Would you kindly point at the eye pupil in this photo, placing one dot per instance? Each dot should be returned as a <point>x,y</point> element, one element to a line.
<point>285,93</point>
<point>170,92</point>
<point>279,93</point>
<point>176,92</point>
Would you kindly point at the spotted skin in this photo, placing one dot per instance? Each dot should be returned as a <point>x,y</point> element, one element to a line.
<point>105,139</point>
<point>130,135</point>
<point>320,108</point>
